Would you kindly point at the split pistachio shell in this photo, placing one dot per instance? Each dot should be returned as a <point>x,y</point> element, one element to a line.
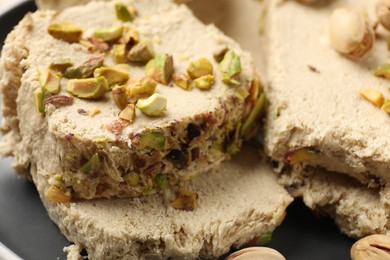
<point>57,195</point>
<point>205,82</point>
<point>109,34</point>
<point>145,86</point>
<point>120,97</point>
<point>373,95</point>
<point>230,68</point>
<point>199,68</point>
<point>258,253</point>
<point>49,81</point>
<point>38,100</point>
<point>92,88</point>
<point>118,53</point>
<point>142,52</point>
<point>114,75</point>
<point>154,140</point>
<point>374,247</point>
<point>123,13</point>
<point>65,31</point>
<point>383,71</point>
<point>383,13</point>
<point>160,68</point>
<point>155,105</point>
<point>128,113</point>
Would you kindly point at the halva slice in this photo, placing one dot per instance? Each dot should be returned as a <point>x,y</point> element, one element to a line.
<point>115,125</point>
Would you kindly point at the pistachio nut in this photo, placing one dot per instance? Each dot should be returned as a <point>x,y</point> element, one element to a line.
<point>160,68</point>
<point>130,36</point>
<point>372,95</point>
<point>220,54</point>
<point>120,97</point>
<point>132,179</point>
<point>118,53</point>
<point>162,181</point>
<point>38,100</point>
<point>109,34</point>
<point>86,69</point>
<point>374,247</point>
<point>258,253</point>
<point>128,113</point>
<point>301,154</point>
<point>49,81</point>
<point>61,65</point>
<point>57,195</point>
<point>142,52</point>
<point>186,200</point>
<point>65,31</point>
<point>383,71</point>
<point>230,68</point>
<point>123,13</point>
<point>92,88</point>
<point>386,106</point>
<point>350,33</point>
<point>199,68</point>
<point>233,146</point>
<point>114,75</point>
<point>154,140</point>
<point>255,89</point>
<point>92,166</point>
<point>204,82</point>
<point>144,86</point>
<point>154,105</point>
<point>182,80</point>
<point>254,114</point>
<point>242,93</point>
<point>383,12</point>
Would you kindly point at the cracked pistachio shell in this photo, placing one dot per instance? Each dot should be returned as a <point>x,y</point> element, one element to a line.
<point>154,105</point>
<point>109,34</point>
<point>114,75</point>
<point>123,13</point>
<point>230,68</point>
<point>49,81</point>
<point>65,31</point>
<point>204,82</point>
<point>160,68</point>
<point>142,52</point>
<point>92,88</point>
<point>199,68</point>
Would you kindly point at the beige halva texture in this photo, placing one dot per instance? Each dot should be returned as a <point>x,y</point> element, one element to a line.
<point>236,203</point>
<point>30,138</point>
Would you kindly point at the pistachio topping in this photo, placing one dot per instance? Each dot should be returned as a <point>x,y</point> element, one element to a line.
<point>386,106</point>
<point>383,13</point>
<point>49,81</point>
<point>144,86</point>
<point>128,113</point>
<point>92,88</point>
<point>92,166</point>
<point>301,154</point>
<point>115,75</point>
<point>130,36</point>
<point>254,114</point>
<point>372,95</point>
<point>118,53</point>
<point>65,31</point>
<point>186,200</point>
<point>38,100</point>
<point>142,52</point>
<point>182,80</point>
<point>199,68</point>
<point>383,71</point>
<point>57,195</point>
<point>120,97</point>
<point>86,69</point>
<point>123,13</point>
<point>350,33</point>
<point>160,68</point>
<point>155,105</point>
<point>61,65</point>
<point>109,34</point>
<point>132,179</point>
<point>220,54</point>
<point>230,68</point>
<point>154,140</point>
<point>204,82</point>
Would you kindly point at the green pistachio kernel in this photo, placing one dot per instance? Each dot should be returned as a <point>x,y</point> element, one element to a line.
<point>132,179</point>
<point>154,140</point>
<point>61,65</point>
<point>182,80</point>
<point>162,181</point>
<point>38,100</point>
<point>155,105</point>
<point>118,53</point>
<point>199,68</point>
<point>383,71</point>
<point>120,97</point>
<point>145,86</point>
<point>109,34</point>
<point>49,81</point>
<point>65,31</point>
<point>386,106</point>
<point>123,13</point>
<point>253,115</point>
<point>204,82</point>
<point>92,88</point>
<point>114,75</point>
<point>86,69</point>
<point>142,52</point>
<point>230,68</point>
<point>92,165</point>
<point>160,68</point>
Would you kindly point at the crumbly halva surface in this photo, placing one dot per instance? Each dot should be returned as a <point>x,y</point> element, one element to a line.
<point>236,203</point>
<point>314,93</point>
<point>81,146</point>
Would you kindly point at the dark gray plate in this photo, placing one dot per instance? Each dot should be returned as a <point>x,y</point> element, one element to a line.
<point>27,230</point>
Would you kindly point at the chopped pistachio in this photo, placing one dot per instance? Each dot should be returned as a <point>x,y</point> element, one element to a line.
<point>130,36</point>
<point>186,200</point>
<point>92,88</point>
<point>386,106</point>
<point>383,71</point>
<point>204,82</point>
<point>86,69</point>
<point>58,100</point>
<point>182,80</point>
<point>142,52</point>
<point>57,195</point>
<point>230,68</point>
<point>132,179</point>
<point>65,31</point>
<point>261,240</point>
<point>118,53</point>
<point>199,68</point>
<point>128,113</point>
<point>155,140</point>
<point>115,75</point>
<point>96,44</point>
<point>123,13</point>
<point>109,34</point>
<point>372,95</point>
<point>162,181</point>
<point>120,97</point>
<point>94,111</point>
<point>145,86</point>
<point>255,89</point>
<point>49,81</point>
<point>160,68</point>
<point>301,154</point>
<point>61,65</point>
<point>92,165</point>
<point>233,146</point>
<point>242,93</point>
<point>38,100</point>
<point>154,105</point>
<point>220,54</point>
<point>253,115</point>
